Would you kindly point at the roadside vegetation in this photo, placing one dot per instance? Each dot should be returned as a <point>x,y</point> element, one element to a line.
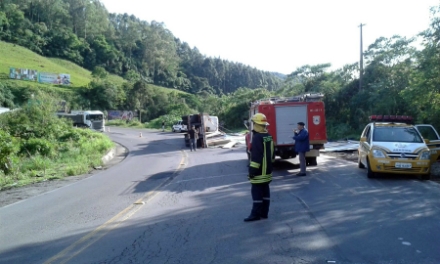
<point>20,57</point>
<point>36,145</point>
<point>400,78</point>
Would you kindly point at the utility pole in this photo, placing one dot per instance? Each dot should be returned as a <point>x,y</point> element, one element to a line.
<point>361,63</point>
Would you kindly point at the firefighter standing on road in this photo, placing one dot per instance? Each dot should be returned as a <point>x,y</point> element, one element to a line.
<point>260,167</point>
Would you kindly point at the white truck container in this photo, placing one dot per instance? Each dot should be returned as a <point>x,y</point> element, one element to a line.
<point>211,124</point>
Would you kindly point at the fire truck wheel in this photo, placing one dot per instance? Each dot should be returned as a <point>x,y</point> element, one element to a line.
<point>311,161</point>
<point>285,156</point>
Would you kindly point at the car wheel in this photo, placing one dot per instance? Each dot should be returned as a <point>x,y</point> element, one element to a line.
<point>370,173</point>
<point>360,164</point>
<point>180,130</point>
<point>426,177</point>
<point>173,130</point>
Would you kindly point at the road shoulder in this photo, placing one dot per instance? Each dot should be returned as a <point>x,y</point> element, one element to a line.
<point>10,196</point>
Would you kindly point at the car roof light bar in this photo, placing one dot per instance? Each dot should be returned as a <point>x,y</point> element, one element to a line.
<point>391,118</point>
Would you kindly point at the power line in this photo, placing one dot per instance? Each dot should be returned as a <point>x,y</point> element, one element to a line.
<point>361,62</point>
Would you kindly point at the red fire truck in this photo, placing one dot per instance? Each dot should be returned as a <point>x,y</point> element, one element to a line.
<point>283,114</point>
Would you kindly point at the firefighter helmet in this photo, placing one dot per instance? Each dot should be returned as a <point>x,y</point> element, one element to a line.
<point>260,119</point>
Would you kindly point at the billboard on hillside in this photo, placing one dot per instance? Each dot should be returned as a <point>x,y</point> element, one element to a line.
<point>23,74</point>
<point>54,78</point>
<point>120,114</point>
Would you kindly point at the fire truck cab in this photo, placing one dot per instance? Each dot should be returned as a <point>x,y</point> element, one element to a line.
<point>283,114</point>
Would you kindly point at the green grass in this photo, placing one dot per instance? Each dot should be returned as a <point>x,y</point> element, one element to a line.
<point>36,146</point>
<point>123,123</point>
<point>19,57</point>
<point>166,90</point>
<point>15,56</point>
<point>72,158</point>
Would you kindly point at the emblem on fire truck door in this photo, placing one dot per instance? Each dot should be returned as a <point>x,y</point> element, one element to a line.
<point>316,120</point>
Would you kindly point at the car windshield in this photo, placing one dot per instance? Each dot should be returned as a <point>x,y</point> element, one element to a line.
<point>396,134</point>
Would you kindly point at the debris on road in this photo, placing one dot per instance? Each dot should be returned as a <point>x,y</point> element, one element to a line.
<point>230,145</point>
<point>341,146</point>
<point>226,141</point>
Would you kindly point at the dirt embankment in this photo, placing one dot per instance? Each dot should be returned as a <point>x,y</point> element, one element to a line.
<point>353,156</point>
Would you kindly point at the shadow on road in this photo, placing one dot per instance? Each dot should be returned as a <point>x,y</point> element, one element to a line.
<point>333,214</point>
<point>158,146</point>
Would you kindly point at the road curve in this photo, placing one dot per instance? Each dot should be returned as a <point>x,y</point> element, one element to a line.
<point>162,205</point>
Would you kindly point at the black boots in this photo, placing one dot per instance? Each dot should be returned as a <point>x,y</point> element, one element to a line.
<point>259,211</point>
<point>265,208</point>
<point>252,218</point>
<point>255,213</point>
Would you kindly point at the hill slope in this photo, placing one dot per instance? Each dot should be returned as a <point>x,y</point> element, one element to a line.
<point>19,57</point>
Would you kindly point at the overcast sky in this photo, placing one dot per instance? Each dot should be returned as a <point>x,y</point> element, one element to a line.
<point>281,35</point>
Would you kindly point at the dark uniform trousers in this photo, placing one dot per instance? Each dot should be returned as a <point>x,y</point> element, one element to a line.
<point>261,196</point>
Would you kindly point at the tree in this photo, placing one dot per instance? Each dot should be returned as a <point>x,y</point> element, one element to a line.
<point>6,96</point>
<point>104,95</point>
<point>99,72</point>
<point>138,96</point>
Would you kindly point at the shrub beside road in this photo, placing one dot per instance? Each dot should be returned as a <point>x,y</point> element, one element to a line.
<point>35,146</point>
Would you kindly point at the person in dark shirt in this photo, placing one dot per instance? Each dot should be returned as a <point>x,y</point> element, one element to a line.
<point>302,145</point>
<point>193,136</point>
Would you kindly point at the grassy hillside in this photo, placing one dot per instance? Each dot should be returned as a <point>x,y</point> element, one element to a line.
<point>12,55</point>
<point>19,57</point>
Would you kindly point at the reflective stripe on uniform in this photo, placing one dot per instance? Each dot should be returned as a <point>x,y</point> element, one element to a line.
<point>261,179</point>
<point>255,165</point>
<point>264,170</point>
<point>258,201</point>
<point>271,152</point>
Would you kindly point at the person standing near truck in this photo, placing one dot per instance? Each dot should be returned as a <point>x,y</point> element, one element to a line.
<point>302,145</point>
<point>193,136</point>
<point>260,168</point>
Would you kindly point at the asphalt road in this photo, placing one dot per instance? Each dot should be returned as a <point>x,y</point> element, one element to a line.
<point>166,205</point>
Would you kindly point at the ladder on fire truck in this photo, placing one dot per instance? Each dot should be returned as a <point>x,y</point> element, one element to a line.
<point>308,97</point>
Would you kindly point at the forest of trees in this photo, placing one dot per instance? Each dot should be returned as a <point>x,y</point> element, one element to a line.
<point>83,32</point>
<point>398,78</point>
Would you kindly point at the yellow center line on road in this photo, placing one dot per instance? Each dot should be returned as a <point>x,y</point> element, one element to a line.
<point>83,243</point>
